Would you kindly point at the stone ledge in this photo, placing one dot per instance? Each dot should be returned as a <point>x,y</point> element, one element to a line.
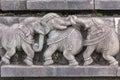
<point>58,71</point>
<point>59,4</point>
<point>107,4</point>
<point>6,5</point>
<point>13,5</point>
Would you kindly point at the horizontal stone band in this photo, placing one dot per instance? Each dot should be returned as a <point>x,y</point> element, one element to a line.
<point>59,5</point>
<point>59,71</point>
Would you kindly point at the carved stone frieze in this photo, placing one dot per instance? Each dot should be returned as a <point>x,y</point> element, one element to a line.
<point>41,41</point>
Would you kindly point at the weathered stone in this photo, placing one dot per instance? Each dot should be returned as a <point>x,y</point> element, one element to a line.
<point>118,71</point>
<point>57,71</point>
<point>13,5</point>
<point>59,4</point>
<point>26,71</point>
<point>80,4</point>
<point>109,21</point>
<point>46,4</point>
<point>117,25</point>
<point>86,71</point>
<point>107,4</point>
<point>9,20</point>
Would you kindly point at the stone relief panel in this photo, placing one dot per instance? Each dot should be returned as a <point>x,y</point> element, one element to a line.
<point>58,40</point>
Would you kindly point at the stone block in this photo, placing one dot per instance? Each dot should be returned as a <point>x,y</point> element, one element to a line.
<point>57,71</point>
<point>107,4</point>
<point>80,4</point>
<point>46,4</point>
<point>59,4</point>
<point>13,5</point>
<point>86,71</point>
<point>26,71</point>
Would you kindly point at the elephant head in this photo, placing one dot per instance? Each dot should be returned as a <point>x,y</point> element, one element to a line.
<point>53,21</point>
<point>32,24</point>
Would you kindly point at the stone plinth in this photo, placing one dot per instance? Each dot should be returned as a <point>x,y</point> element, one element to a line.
<point>58,71</point>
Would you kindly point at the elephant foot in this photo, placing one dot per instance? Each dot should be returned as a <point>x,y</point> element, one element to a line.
<point>88,61</point>
<point>48,62</point>
<point>115,63</point>
<point>5,61</point>
<point>73,63</point>
<point>28,62</point>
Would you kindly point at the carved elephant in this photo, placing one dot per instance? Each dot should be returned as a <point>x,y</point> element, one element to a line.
<point>20,35</point>
<point>101,38</point>
<point>61,37</point>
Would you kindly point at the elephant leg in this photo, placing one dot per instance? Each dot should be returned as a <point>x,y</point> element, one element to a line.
<point>70,57</point>
<point>8,55</point>
<point>30,54</point>
<point>87,55</point>
<point>48,54</point>
<point>111,59</point>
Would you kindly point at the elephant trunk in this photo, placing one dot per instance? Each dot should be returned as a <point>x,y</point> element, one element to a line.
<point>38,46</point>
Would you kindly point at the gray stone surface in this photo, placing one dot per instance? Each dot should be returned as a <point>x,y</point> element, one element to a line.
<point>9,20</point>
<point>107,4</point>
<point>59,4</point>
<point>46,4</point>
<point>13,5</point>
<point>57,71</point>
<point>118,72</point>
<point>109,21</point>
<point>26,71</point>
<point>86,71</point>
<point>80,4</point>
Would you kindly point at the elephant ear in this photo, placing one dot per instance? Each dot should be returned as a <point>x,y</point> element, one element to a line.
<point>38,27</point>
<point>46,29</point>
<point>46,26</point>
<point>46,21</point>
